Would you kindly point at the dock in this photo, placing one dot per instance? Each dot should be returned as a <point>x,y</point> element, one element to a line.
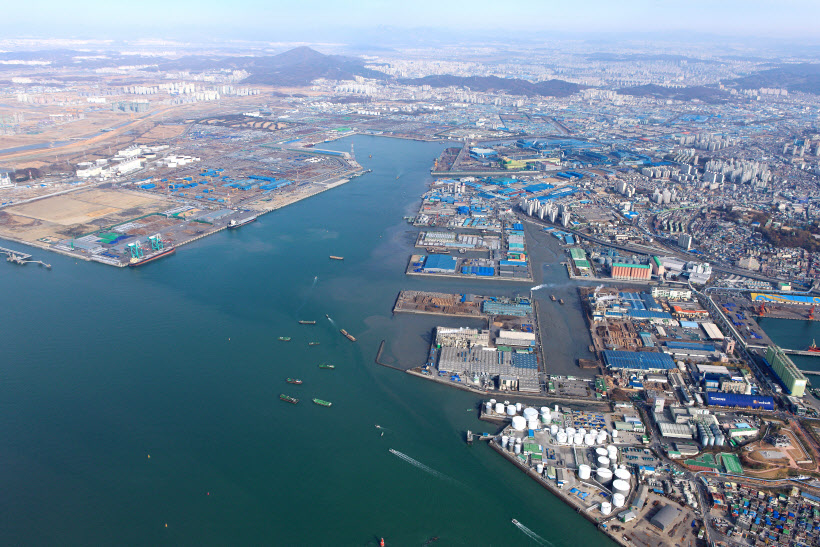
<point>20,258</point>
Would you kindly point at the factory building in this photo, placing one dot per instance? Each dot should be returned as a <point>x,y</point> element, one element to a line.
<point>631,271</point>
<point>714,398</point>
<point>787,372</point>
<point>646,361</point>
<point>664,518</point>
<point>440,264</point>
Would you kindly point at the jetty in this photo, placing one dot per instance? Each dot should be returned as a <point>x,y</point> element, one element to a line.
<point>20,258</point>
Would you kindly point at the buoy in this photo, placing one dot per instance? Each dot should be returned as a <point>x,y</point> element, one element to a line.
<point>149,456</point>
<point>381,543</point>
<point>166,525</point>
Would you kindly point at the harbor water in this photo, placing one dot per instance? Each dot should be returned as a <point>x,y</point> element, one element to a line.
<point>141,406</point>
<point>797,335</point>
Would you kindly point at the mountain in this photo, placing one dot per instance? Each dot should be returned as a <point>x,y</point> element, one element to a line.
<point>549,88</point>
<point>803,77</point>
<point>302,65</point>
<point>705,94</point>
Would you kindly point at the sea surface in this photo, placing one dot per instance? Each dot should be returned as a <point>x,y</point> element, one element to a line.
<point>140,406</point>
<point>795,334</point>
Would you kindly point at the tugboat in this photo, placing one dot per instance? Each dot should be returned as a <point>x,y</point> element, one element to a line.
<point>289,399</point>
<point>303,322</point>
<point>326,365</point>
<point>321,402</point>
<point>284,338</point>
<point>561,301</point>
<point>813,347</point>
<point>296,381</point>
<point>552,297</point>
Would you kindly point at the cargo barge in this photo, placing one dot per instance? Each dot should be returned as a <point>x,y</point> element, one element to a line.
<point>150,258</point>
<point>289,399</point>
<point>241,222</point>
<point>327,365</point>
<point>303,322</point>
<point>347,335</point>
<point>337,257</point>
<point>320,402</point>
<point>296,381</point>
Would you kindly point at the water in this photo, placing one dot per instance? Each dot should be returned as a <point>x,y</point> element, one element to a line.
<point>794,334</point>
<point>179,360</point>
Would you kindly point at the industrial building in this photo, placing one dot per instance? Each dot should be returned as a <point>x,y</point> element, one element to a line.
<point>664,518</point>
<point>631,271</point>
<point>739,400</point>
<point>440,264</point>
<point>791,377</point>
<point>637,360</point>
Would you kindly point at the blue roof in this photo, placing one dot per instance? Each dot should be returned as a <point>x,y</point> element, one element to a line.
<point>737,399</point>
<point>442,262</point>
<point>637,360</point>
<point>690,345</point>
<point>525,360</point>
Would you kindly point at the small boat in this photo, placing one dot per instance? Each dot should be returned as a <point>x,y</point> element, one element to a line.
<point>813,347</point>
<point>326,315</point>
<point>337,257</point>
<point>320,402</point>
<point>552,297</point>
<point>284,338</point>
<point>296,381</point>
<point>326,365</point>
<point>347,335</point>
<point>313,343</point>
<point>303,322</point>
<point>289,399</point>
<point>515,522</point>
<point>561,301</point>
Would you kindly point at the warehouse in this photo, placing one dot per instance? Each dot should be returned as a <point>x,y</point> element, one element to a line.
<point>440,264</point>
<point>637,360</point>
<point>664,518</point>
<point>739,400</point>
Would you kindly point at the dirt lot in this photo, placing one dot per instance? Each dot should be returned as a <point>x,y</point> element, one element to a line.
<point>78,212</point>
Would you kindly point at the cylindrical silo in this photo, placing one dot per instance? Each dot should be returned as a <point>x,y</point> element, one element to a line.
<point>618,500</point>
<point>518,449</point>
<point>562,437</point>
<point>518,407</point>
<point>623,474</point>
<point>601,439</point>
<point>612,452</point>
<point>539,468</point>
<point>603,461</point>
<point>488,407</point>
<point>614,433</point>
<point>579,439</point>
<point>533,424</point>
<point>519,423</point>
<point>600,451</point>
<point>553,430</point>
<point>511,410</point>
<point>499,408</point>
<point>584,471</point>
<point>504,441</point>
<point>606,508</point>
<point>589,439</point>
<point>529,413</point>
<point>571,431</point>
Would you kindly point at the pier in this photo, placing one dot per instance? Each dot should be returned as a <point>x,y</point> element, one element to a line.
<point>801,352</point>
<point>21,258</point>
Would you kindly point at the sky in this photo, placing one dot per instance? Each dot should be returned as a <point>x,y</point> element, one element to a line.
<point>313,19</point>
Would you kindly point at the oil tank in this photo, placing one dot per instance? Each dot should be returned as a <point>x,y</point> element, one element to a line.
<point>530,413</point>
<point>612,452</point>
<point>606,508</point>
<point>556,408</point>
<point>505,440</point>
<point>571,431</point>
<point>584,471</point>
<point>499,408</point>
<point>601,451</point>
<point>622,474</point>
<point>614,433</point>
<point>601,439</point>
<point>518,407</point>
<point>589,439</point>
<point>562,438</point>
<point>579,439</point>
<point>539,468</point>
<point>519,423</point>
<point>603,461</point>
<point>488,407</point>
<point>603,475</point>
<point>554,430</point>
<point>533,424</point>
<point>582,431</point>
<point>620,487</point>
<point>493,401</point>
<point>518,449</point>
<point>511,410</point>
<point>618,500</point>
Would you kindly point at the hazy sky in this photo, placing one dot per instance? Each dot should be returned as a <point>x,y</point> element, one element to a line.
<point>796,19</point>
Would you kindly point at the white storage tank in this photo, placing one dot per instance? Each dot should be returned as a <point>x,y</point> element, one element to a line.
<point>571,431</point>
<point>518,407</point>
<point>601,438</point>
<point>533,424</point>
<point>499,408</point>
<point>621,487</point>
<point>603,475</point>
<point>582,431</point>
<point>511,410</point>
<point>553,430</point>
<point>618,500</point>
<point>556,408</point>
<point>614,433</point>
<point>488,407</point>
<point>562,437</point>
<point>505,440</point>
<point>603,461</point>
<point>584,471</point>
<point>601,451</point>
<point>530,413</point>
<point>519,423</point>
<point>612,452</point>
<point>606,508</point>
<point>623,474</point>
<point>539,468</point>
<point>589,439</point>
<point>579,439</point>
<point>518,449</point>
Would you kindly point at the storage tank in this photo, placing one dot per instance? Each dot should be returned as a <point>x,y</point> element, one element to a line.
<point>571,431</point>
<point>488,407</point>
<point>493,401</point>
<point>499,408</point>
<point>556,408</point>
<point>601,439</point>
<point>530,413</point>
<point>562,438</point>
<point>533,424</point>
<point>553,430</point>
<point>582,431</point>
<point>603,475</point>
<point>614,433</point>
<point>623,474</point>
<point>518,407</point>
<point>511,410</point>
<point>589,439</point>
<point>570,439</point>
<point>606,508</point>
<point>539,468</point>
<point>612,452</point>
<point>618,500</point>
<point>620,487</point>
<point>505,440</point>
<point>518,449</point>
<point>545,410</point>
<point>519,423</point>
<point>603,461</point>
<point>601,451</point>
<point>584,471</point>
<point>579,439</point>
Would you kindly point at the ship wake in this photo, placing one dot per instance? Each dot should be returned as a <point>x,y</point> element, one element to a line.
<point>420,465</point>
<point>532,535</point>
